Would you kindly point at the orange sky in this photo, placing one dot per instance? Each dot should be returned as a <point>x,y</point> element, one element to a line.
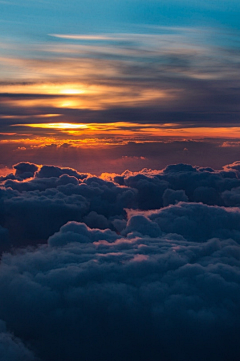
<point>106,90</point>
<point>97,134</point>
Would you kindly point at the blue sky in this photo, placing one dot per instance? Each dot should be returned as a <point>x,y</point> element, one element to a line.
<point>32,18</point>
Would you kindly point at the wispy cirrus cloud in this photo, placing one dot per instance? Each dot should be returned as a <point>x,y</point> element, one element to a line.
<point>175,76</point>
<point>81,37</point>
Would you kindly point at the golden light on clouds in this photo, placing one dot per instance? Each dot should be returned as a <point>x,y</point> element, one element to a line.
<point>60,126</point>
<point>87,94</point>
<point>105,91</point>
<point>45,88</point>
<point>121,132</point>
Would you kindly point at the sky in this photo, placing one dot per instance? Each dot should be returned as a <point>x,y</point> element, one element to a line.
<point>83,81</point>
<point>119,180</point>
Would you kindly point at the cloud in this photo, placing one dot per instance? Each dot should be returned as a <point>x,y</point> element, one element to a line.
<point>194,221</point>
<point>174,75</point>
<point>134,299</point>
<point>112,157</point>
<point>140,225</point>
<point>171,197</point>
<point>25,170</point>
<point>38,200</point>
<point>126,267</point>
<point>35,208</point>
<point>234,166</point>
<point>52,171</point>
<point>4,237</point>
<point>11,348</point>
<point>81,37</point>
<point>79,232</point>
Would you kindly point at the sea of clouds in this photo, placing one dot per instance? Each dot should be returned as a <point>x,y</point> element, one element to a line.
<point>139,266</point>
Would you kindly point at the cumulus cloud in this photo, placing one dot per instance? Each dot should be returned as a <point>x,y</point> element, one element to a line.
<point>25,170</point>
<point>171,197</point>
<point>196,222</point>
<point>79,232</point>
<point>52,171</point>
<point>142,267</point>
<point>37,200</point>
<point>232,197</point>
<point>11,348</point>
<point>83,297</point>
<point>143,226</point>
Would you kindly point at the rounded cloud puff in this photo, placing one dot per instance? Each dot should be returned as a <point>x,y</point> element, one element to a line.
<point>142,225</point>
<point>47,171</point>
<point>79,232</point>
<point>171,197</point>
<point>198,222</point>
<point>25,170</point>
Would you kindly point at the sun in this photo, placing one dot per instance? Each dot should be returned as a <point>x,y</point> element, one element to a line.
<point>71,91</point>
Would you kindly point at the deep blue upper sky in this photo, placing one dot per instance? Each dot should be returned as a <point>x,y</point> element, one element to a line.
<point>29,18</point>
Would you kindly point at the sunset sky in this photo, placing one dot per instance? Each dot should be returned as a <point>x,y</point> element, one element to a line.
<point>109,85</point>
<point>119,180</point>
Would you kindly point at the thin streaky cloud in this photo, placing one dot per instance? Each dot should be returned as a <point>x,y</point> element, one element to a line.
<point>82,37</point>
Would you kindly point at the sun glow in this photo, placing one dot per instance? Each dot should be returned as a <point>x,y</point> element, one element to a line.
<point>60,126</point>
<point>45,88</point>
<point>71,91</point>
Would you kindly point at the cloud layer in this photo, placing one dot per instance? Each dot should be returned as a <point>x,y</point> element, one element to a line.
<point>37,200</point>
<point>182,80</point>
<point>134,266</point>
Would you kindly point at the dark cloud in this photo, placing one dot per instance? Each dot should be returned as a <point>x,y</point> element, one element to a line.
<point>198,222</point>
<point>79,232</point>
<point>183,116</point>
<point>93,219</point>
<point>4,236</point>
<point>25,170</point>
<point>11,348</point>
<point>31,210</point>
<point>234,166</point>
<point>171,197</point>
<point>51,171</point>
<point>143,268</point>
<point>84,297</point>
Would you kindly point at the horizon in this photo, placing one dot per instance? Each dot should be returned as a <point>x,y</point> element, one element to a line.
<point>119,180</point>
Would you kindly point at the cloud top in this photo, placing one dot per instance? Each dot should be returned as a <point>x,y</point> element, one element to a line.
<point>134,268</point>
